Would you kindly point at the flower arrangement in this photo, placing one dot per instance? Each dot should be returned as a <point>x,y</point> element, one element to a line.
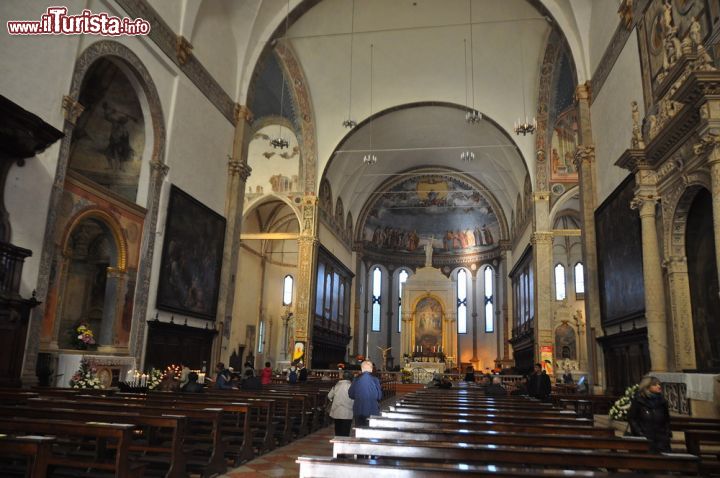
<point>85,377</point>
<point>341,366</point>
<point>620,408</point>
<point>407,375</point>
<point>82,336</point>
<point>154,377</point>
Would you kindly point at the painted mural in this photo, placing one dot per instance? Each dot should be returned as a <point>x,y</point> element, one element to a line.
<point>273,170</point>
<point>109,138</point>
<point>437,209</point>
<point>564,140</point>
<point>428,324</point>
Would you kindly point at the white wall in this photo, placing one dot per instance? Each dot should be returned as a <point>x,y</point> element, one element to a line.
<point>604,20</point>
<point>336,247</point>
<point>611,118</point>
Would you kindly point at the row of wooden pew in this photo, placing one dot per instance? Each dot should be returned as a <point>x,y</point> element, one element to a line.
<point>70,433</point>
<point>463,432</point>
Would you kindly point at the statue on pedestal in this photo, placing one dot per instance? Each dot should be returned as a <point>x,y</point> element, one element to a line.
<point>428,252</point>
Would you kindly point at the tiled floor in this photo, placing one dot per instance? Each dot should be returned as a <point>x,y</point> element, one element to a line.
<point>281,461</point>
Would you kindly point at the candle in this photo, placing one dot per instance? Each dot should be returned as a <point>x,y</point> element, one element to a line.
<point>201,378</point>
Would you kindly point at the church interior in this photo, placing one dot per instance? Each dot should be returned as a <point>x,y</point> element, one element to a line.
<point>428,185</point>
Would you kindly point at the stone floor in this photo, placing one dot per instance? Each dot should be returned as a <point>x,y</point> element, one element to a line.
<point>281,461</point>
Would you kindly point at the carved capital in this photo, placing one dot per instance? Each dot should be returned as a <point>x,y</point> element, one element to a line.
<point>159,168</point>
<point>242,112</point>
<point>541,237</point>
<point>72,109</point>
<point>238,168</point>
<point>541,196</point>
<point>183,49</point>
<point>583,92</point>
<point>645,204</point>
<point>708,143</point>
<point>675,264</point>
<point>584,153</point>
<point>505,245</point>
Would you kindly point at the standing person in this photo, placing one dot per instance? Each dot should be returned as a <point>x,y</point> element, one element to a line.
<point>539,386</point>
<point>496,388</point>
<point>292,375</point>
<point>184,373</point>
<point>470,374</point>
<point>341,410</point>
<point>266,374</point>
<point>649,415</point>
<point>303,373</point>
<point>367,393</point>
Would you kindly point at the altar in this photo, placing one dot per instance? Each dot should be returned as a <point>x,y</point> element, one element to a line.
<point>110,369</point>
<point>423,371</point>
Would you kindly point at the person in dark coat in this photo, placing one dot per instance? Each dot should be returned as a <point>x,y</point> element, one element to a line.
<point>649,415</point>
<point>223,380</point>
<point>192,386</point>
<point>539,386</point>
<point>366,393</point>
<point>496,388</point>
<point>302,373</point>
<point>470,374</point>
<point>250,382</point>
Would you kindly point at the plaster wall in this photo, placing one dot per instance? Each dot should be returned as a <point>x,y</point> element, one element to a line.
<point>604,22</point>
<point>336,247</point>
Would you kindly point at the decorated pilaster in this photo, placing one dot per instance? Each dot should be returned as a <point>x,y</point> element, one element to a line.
<point>506,303</point>
<point>307,256</point>
<point>474,315</point>
<point>357,304</point>
<point>238,173</point>
<point>710,144</point>
<point>645,202</point>
<point>542,240</point>
<point>682,324</point>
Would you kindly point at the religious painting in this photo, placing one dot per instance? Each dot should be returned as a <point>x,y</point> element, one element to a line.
<point>565,342</point>
<point>546,359</point>
<point>563,143</point>
<point>448,213</point>
<point>298,352</point>
<point>109,137</point>
<point>274,170</point>
<point>192,257</point>
<point>428,325</point>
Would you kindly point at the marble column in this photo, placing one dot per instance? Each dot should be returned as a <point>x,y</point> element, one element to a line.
<point>680,305</point>
<point>305,283</point>
<point>653,279</point>
<point>506,304</point>
<point>585,163</point>
<point>473,288</point>
<point>238,173</point>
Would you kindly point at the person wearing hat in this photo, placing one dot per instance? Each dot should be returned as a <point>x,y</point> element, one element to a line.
<point>341,410</point>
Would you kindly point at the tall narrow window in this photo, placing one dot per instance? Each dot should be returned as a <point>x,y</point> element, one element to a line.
<point>462,301</point>
<point>579,279</point>
<point>559,282</point>
<point>402,278</point>
<point>376,288</point>
<point>261,338</point>
<point>489,308</point>
<point>320,291</point>
<point>287,290</point>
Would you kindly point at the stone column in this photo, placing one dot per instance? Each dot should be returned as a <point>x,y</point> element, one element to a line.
<point>357,304</point>
<point>542,240</point>
<point>714,161</point>
<point>499,323</point>
<point>112,308</point>
<point>585,163</point>
<point>473,290</point>
<point>682,324</point>
<point>653,279</point>
<point>507,305</point>
<point>305,285</point>
<point>238,173</point>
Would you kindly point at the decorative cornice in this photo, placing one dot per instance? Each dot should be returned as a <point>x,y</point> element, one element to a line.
<point>168,42</point>
<point>72,109</point>
<point>541,196</point>
<point>615,47</point>
<point>631,159</point>
<point>708,143</point>
<point>541,237</point>
<point>238,168</point>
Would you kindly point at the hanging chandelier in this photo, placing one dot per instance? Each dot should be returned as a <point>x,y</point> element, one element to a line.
<point>279,142</point>
<point>473,116</point>
<point>370,158</point>
<point>528,126</point>
<point>467,155</point>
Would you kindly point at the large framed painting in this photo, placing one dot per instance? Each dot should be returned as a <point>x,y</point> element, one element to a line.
<point>192,257</point>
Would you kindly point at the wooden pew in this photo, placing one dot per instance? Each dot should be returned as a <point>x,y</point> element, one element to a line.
<point>710,459</point>
<point>444,410</point>
<point>509,455</point>
<point>121,466</point>
<point>494,437</point>
<point>329,467</point>
<point>35,450</point>
<point>169,455</point>
<point>498,418</point>
<point>463,424</point>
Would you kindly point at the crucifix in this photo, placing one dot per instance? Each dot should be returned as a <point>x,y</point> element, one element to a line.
<point>384,357</point>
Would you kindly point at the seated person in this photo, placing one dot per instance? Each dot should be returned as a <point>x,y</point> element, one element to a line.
<point>496,387</point>
<point>250,381</point>
<point>223,381</point>
<point>521,387</point>
<point>439,381</point>
<point>567,377</point>
<point>470,374</point>
<point>192,385</point>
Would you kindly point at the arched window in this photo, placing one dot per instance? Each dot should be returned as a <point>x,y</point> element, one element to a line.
<point>376,288</point>
<point>489,301</point>
<point>462,301</point>
<point>579,279</point>
<point>402,278</point>
<point>287,290</point>
<point>261,337</point>
<point>559,282</point>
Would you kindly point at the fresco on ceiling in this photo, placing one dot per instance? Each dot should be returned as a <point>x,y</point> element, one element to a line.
<point>441,210</point>
<point>273,170</point>
<point>109,138</point>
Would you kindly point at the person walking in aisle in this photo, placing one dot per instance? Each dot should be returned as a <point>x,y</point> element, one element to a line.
<point>367,393</point>
<point>341,410</point>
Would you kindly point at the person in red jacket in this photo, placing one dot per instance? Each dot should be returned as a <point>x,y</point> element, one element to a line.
<point>266,374</point>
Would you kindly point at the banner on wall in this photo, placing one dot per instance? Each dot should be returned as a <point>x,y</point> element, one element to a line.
<point>546,358</point>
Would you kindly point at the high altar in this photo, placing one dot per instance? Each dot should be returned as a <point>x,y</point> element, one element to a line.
<point>429,329</point>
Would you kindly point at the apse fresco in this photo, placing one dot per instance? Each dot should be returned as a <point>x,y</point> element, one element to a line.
<point>564,139</point>
<point>441,210</point>
<point>428,324</point>
<point>273,170</point>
